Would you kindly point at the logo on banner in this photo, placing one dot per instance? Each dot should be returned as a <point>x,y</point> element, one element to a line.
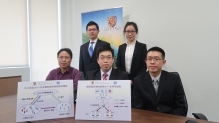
<point>58,82</point>
<point>34,83</point>
<point>112,23</point>
<point>92,82</point>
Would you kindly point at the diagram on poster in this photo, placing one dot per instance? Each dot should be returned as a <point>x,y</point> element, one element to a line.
<point>33,109</point>
<point>104,97</point>
<point>44,100</point>
<point>104,100</point>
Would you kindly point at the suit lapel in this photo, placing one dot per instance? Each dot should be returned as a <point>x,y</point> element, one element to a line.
<point>148,84</point>
<point>162,84</point>
<point>113,75</point>
<point>97,45</point>
<point>97,75</point>
<point>135,52</point>
<point>87,52</point>
<point>123,49</point>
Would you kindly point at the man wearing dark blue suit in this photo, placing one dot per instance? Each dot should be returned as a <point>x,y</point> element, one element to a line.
<point>159,90</point>
<point>105,58</point>
<point>88,59</point>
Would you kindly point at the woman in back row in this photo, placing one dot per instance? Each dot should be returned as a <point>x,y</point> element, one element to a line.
<point>131,55</point>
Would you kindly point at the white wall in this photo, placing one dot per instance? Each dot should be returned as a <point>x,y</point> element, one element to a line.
<point>24,72</point>
<point>66,24</point>
<point>13,39</point>
<point>43,35</point>
<point>188,32</point>
<point>44,38</point>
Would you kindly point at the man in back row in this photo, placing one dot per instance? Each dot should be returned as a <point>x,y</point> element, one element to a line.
<point>88,59</point>
<point>105,59</point>
<point>159,90</point>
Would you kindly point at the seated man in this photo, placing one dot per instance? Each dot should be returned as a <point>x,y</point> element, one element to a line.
<point>159,90</point>
<point>105,58</point>
<point>65,71</point>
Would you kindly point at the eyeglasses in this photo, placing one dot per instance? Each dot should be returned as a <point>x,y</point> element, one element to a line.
<point>154,59</point>
<point>63,57</point>
<point>129,32</point>
<point>102,58</point>
<point>89,30</point>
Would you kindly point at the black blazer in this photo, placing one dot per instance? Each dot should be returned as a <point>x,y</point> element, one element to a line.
<point>115,75</point>
<point>87,63</point>
<point>170,97</point>
<point>138,65</point>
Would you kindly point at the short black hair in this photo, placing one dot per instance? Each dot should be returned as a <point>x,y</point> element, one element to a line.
<point>133,24</point>
<point>104,48</point>
<point>92,23</point>
<point>158,49</point>
<point>67,50</point>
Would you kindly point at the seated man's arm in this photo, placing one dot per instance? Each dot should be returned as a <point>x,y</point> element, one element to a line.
<point>86,76</point>
<point>50,76</point>
<point>126,77</point>
<point>137,101</point>
<point>77,76</point>
<point>181,106</point>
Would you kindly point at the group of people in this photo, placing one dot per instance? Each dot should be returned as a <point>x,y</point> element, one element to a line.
<point>154,90</point>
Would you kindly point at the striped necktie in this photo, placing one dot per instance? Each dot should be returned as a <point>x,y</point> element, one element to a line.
<point>156,84</point>
<point>91,49</point>
<point>105,76</point>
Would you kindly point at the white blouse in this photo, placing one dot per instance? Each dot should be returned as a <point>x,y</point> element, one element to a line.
<point>128,56</point>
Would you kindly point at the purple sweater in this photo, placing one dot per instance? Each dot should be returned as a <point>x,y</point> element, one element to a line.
<point>71,73</point>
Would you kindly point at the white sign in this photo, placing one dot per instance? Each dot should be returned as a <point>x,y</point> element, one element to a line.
<point>44,100</point>
<point>104,100</point>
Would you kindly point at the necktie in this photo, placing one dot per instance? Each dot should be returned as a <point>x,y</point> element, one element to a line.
<point>105,76</point>
<point>155,83</point>
<point>91,49</point>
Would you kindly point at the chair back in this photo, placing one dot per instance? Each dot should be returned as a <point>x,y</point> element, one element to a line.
<point>82,75</point>
<point>200,116</point>
<point>176,73</point>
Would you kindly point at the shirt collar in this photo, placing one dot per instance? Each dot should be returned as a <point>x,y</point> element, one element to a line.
<point>133,43</point>
<point>109,72</point>
<point>68,71</point>
<point>156,78</point>
<point>94,40</point>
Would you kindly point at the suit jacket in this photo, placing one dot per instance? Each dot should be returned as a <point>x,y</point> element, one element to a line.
<point>87,63</point>
<point>138,65</point>
<point>170,97</point>
<point>115,75</point>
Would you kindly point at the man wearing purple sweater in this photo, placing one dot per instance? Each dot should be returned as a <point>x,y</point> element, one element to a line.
<point>65,71</point>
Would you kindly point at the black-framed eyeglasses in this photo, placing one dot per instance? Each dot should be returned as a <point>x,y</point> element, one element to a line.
<point>89,30</point>
<point>154,59</point>
<point>102,58</point>
<point>64,57</point>
<point>129,32</point>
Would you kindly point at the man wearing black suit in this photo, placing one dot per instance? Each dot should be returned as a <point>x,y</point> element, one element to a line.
<point>159,90</point>
<point>88,59</point>
<point>105,58</point>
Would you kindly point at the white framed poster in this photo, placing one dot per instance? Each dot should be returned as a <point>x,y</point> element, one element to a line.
<point>104,100</point>
<point>41,100</point>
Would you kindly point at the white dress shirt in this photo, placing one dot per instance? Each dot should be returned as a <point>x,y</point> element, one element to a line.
<point>128,56</point>
<point>108,73</point>
<point>95,41</point>
<point>156,78</point>
<point>155,82</point>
